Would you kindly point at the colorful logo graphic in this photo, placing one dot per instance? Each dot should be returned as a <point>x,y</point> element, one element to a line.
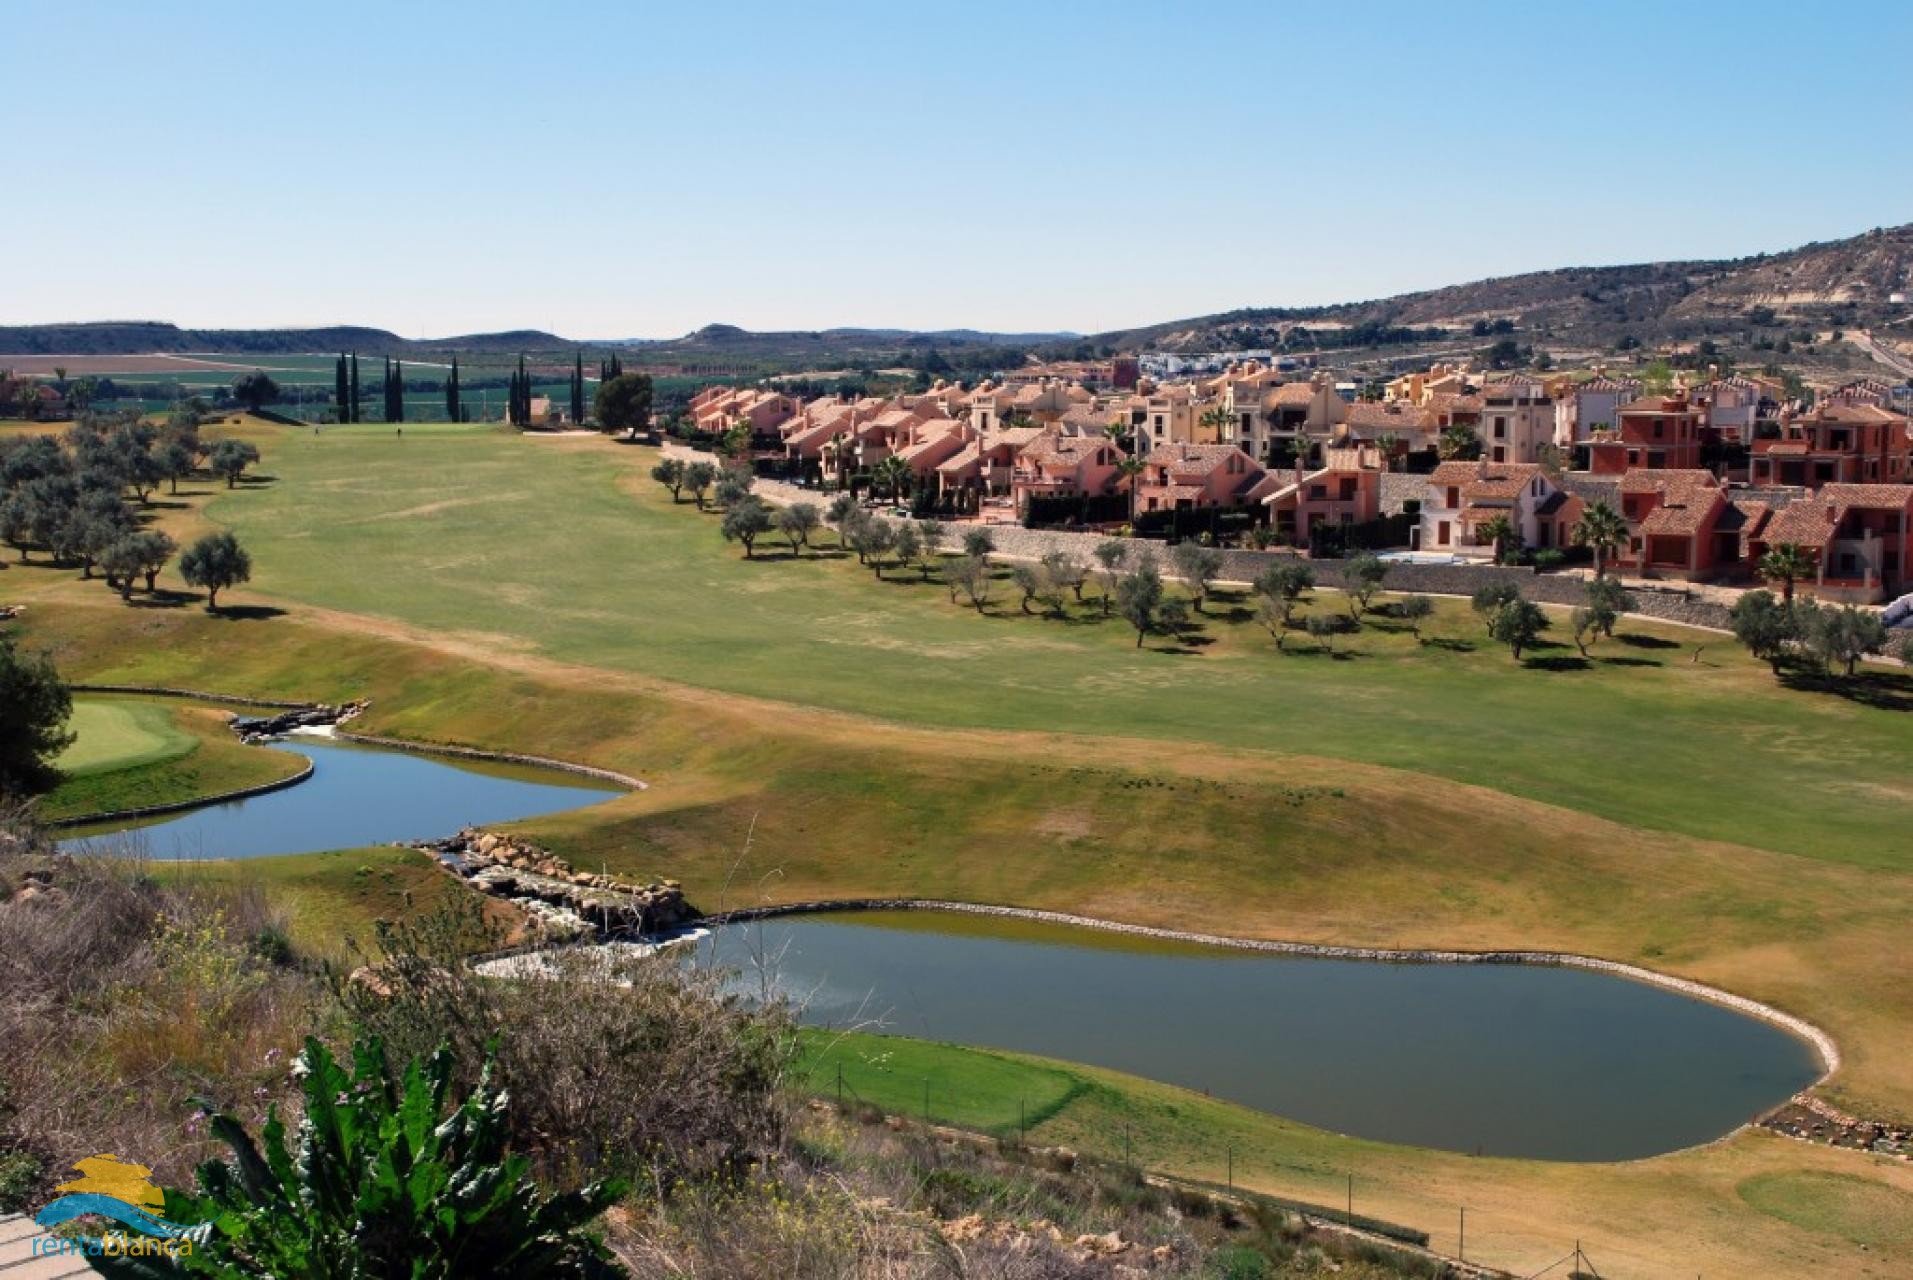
<point>113,1188</point>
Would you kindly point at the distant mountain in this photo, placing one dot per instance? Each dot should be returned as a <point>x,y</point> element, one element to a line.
<point>127,337</point>
<point>1844,282</point>
<point>713,337</point>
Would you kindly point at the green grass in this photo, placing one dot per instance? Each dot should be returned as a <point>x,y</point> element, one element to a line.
<point>335,901</point>
<point>1858,1209</point>
<point>535,545</point>
<point>969,1088</point>
<point>1714,1211</point>
<point>135,753</point>
<point>121,735</point>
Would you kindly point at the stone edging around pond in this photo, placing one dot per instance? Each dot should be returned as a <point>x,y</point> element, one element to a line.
<point>178,806</point>
<point>1822,1043</point>
<point>501,757</point>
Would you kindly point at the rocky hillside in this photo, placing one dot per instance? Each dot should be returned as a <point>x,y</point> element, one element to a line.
<point>1847,283</point>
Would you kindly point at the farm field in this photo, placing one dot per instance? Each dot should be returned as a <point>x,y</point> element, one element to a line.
<point>810,731</point>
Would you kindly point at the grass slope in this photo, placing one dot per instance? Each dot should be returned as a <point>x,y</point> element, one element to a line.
<point>556,548</point>
<point>132,753</point>
<point>1758,1206</point>
<point>121,735</point>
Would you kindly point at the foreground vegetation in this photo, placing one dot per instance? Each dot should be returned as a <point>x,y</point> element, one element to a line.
<point>177,1025</point>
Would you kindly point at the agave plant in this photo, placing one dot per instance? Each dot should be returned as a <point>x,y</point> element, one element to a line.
<point>380,1180</point>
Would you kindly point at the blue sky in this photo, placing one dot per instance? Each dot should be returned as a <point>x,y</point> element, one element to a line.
<point>630,169</point>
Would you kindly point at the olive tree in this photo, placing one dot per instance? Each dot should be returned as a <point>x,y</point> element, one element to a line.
<point>1110,557</point>
<point>1766,626</point>
<point>215,562</point>
<point>1518,624</point>
<point>1198,566</point>
<point>797,522</point>
<point>745,520</point>
<point>929,552</point>
<point>1362,577</point>
<point>670,473</point>
<point>1139,597</point>
<point>698,478</point>
<point>230,458</point>
<point>971,576</point>
<point>1416,610</point>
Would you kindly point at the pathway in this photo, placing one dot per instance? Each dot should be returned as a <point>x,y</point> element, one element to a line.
<point>18,1260</point>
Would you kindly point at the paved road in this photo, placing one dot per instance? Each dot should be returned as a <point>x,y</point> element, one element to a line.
<point>1882,353</point>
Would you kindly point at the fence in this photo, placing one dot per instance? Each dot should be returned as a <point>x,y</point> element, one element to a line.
<point>891,1083</point>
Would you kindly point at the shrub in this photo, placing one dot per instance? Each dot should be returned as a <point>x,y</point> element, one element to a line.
<point>20,1174</point>
<point>644,1068</point>
<point>380,1180</point>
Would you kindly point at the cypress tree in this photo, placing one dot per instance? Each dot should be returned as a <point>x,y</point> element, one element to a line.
<point>578,388</point>
<point>398,391</point>
<point>340,388</point>
<point>451,393</point>
<point>355,387</point>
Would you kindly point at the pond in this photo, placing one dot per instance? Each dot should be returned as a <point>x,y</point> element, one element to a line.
<point>358,795</point>
<point>1505,1060</point>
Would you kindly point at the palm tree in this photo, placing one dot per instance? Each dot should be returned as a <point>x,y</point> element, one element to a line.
<point>1787,564</point>
<point>1501,532</point>
<point>1218,420</point>
<point>893,473</point>
<point>1604,531</point>
<point>1458,443</point>
<point>1129,468</point>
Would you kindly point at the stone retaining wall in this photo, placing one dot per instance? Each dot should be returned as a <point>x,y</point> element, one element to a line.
<point>1822,1044</point>
<point>502,757</point>
<point>1399,488</point>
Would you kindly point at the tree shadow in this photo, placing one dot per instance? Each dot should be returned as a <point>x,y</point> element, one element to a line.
<point>255,481</point>
<point>1557,662</point>
<point>1884,690</point>
<point>247,612</point>
<point>161,599</point>
<point>1632,662</point>
<point>1638,641</point>
<point>1451,644</point>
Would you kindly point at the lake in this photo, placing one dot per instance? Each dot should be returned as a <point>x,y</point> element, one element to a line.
<point>1507,1060</point>
<point>358,795</point>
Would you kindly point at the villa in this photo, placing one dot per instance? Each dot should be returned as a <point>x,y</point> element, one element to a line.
<point>1465,497</point>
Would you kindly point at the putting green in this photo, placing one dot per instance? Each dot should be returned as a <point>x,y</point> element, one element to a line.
<point>122,735</point>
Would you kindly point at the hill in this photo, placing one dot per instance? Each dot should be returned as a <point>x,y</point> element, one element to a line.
<point>125,337</point>
<point>1846,283</point>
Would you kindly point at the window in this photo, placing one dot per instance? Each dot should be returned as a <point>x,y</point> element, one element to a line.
<point>1501,428</point>
<point>1441,534</point>
<point>1454,498</point>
